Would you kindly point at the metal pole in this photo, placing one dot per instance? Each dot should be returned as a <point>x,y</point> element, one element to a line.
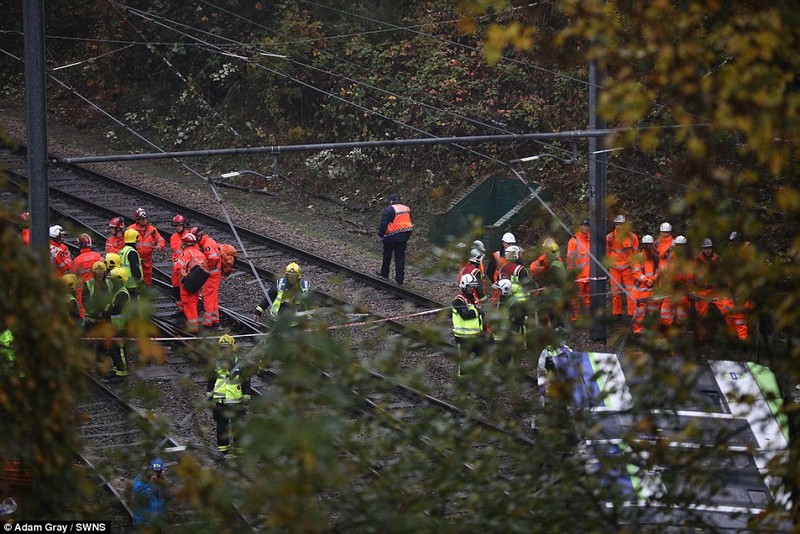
<point>36,121</point>
<point>597,210</point>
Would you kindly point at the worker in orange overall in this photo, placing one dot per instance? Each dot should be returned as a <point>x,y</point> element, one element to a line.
<point>24,223</point>
<point>578,263</point>
<point>194,273</point>
<point>644,268</point>
<point>176,246</point>
<point>621,244</point>
<point>149,238</point>
<point>82,265</point>
<point>663,244</point>
<point>59,253</point>
<point>496,262</point>
<point>708,271</point>
<point>211,287</point>
<point>116,240</point>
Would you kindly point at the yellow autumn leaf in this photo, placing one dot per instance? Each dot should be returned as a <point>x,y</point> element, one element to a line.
<point>788,199</point>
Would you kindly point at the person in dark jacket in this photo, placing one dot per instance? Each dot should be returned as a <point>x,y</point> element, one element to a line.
<point>394,231</point>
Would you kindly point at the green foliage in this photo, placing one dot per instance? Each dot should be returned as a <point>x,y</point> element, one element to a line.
<point>42,384</point>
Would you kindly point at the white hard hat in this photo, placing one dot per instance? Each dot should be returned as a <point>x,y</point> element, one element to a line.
<point>665,227</point>
<point>56,231</point>
<point>512,253</point>
<point>475,256</point>
<point>478,244</point>
<point>707,243</point>
<point>504,286</point>
<point>648,239</point>
<point>619,219</point>
<point>680,240</point>
<point>733,236</point>
<point>467,281</point>
<point>508,237</point>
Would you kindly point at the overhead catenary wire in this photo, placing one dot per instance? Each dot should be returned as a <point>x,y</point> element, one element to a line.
<point>306,84</point>
<point>156,147</point>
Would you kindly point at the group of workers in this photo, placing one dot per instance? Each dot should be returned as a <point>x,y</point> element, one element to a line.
<point>657,276</point>
<point>654,276</point>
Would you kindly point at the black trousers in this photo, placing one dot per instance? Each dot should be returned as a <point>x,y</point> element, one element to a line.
<point>227,417</point>
<point>399,251</point>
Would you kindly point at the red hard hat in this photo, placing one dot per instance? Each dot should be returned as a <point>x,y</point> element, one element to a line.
<point>117,222</point>
<point>179,220</point>
<point>84,240</point>
<point>189,239</point>
<point>140,213</point>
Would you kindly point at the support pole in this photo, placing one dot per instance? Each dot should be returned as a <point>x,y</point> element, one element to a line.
<point>597,209</point>
<point>36,121</point>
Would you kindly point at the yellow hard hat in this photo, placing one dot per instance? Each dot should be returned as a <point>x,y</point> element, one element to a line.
<point>112,260</point>
<point>118,274</point>
<point>550,245</point>
<point>98,266</point>
<point>71,280</point>
<point>131,235</point>
<point>226,340</point>
<point>293,268</point>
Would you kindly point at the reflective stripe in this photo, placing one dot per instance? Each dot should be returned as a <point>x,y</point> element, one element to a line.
<point>282,286</point>
<point>125,263</point>
<point>401,221</point>
<point>467,327</point>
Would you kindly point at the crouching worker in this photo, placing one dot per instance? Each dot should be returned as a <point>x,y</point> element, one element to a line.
<point>150,496</point>
<point>289,297</point>
<point>230,392</point>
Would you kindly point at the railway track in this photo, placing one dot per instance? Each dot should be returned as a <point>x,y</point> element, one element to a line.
<point>388,403</point>
<point>392,408</point>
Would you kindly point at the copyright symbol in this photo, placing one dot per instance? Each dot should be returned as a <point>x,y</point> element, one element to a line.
<point>7,526</point>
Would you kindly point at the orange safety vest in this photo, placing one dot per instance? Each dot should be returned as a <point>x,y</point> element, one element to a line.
<point>401,221</point>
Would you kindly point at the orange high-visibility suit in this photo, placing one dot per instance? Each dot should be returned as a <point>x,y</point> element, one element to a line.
<point>578,262</point>
<point>211,287</point>
<point>176,246</point>
<point>707,289</point>
<point>191,256</point>
<point>149,238</point>
<point>82,266</point>
<point>62,259</point>
<point>620,246</point>
<point>644,268</point>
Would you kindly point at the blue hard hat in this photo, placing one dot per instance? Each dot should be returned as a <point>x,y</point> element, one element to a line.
<point>157,464</point>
